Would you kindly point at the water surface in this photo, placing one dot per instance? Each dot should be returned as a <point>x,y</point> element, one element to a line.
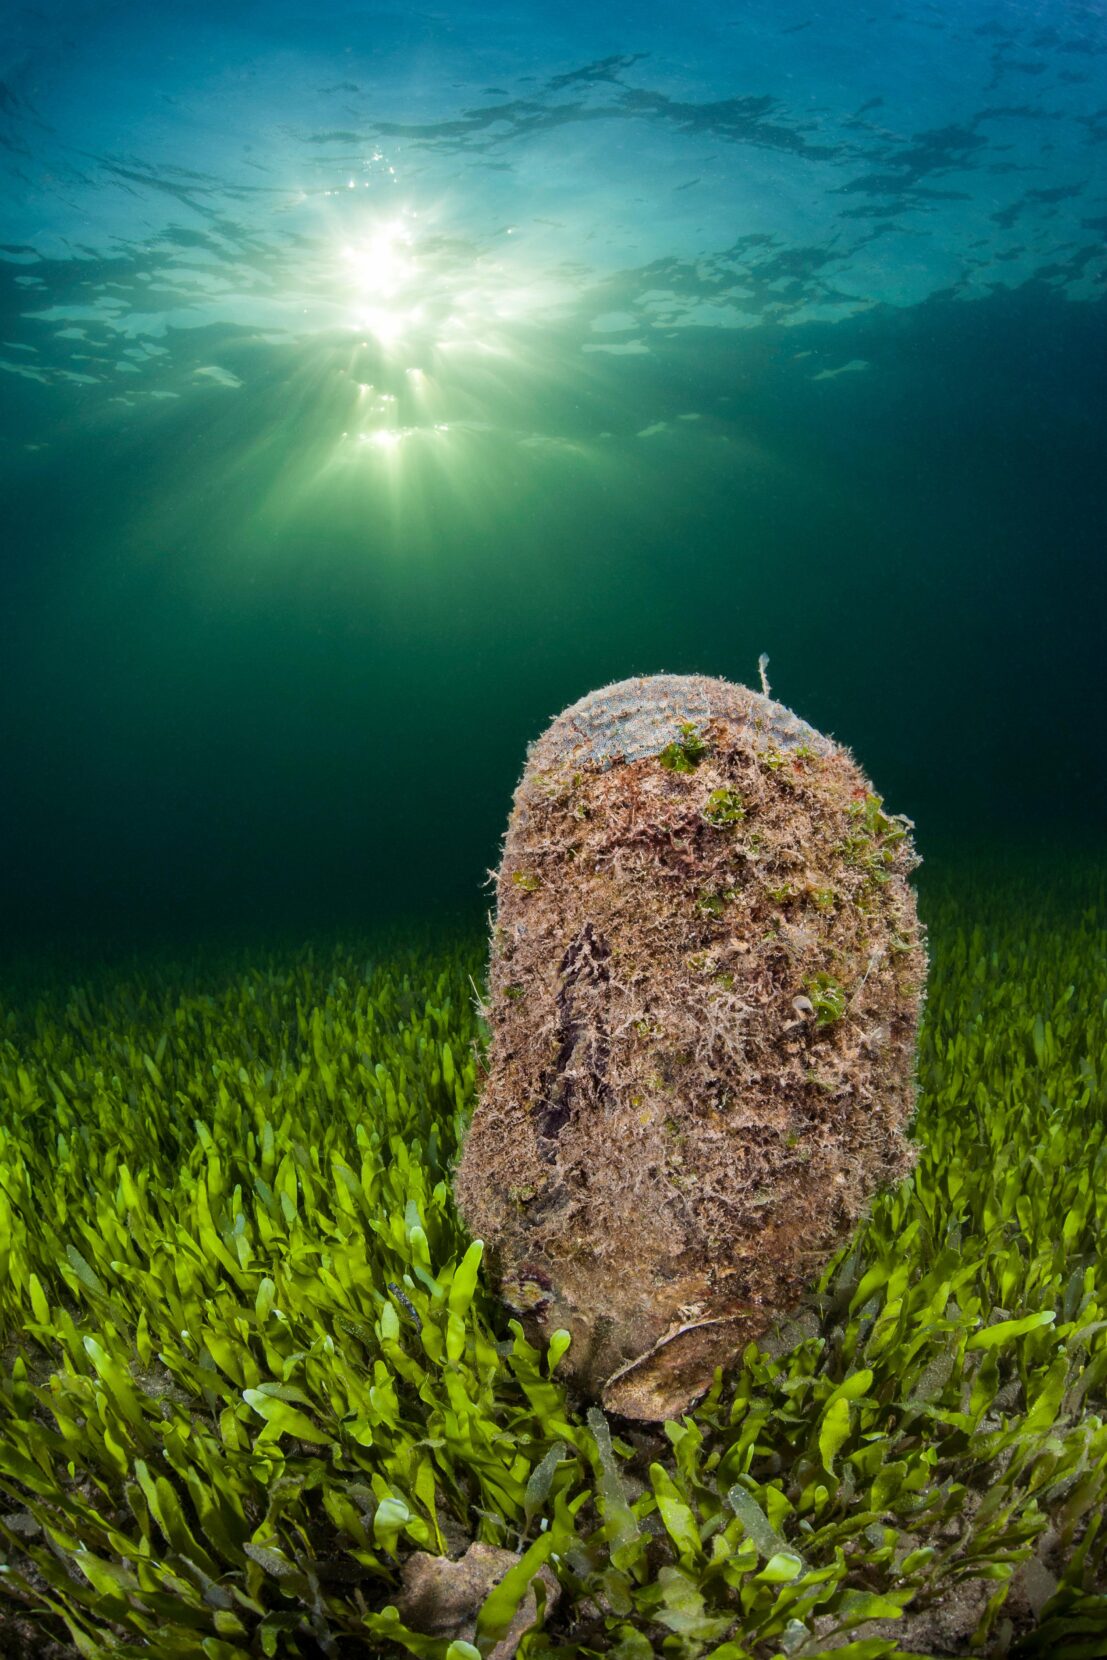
<point>378,380</point>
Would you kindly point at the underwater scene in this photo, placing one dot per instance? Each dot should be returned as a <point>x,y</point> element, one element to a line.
<point>553,897</point>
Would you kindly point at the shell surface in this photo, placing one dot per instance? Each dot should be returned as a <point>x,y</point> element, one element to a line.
<point>705,981</point>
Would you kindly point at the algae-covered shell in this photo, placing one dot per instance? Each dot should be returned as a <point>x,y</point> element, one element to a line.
<point>705,981</point>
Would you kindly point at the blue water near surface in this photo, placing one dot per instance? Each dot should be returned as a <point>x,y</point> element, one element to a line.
<point>375,381</point>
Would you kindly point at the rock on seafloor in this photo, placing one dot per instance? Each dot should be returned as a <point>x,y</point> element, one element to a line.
<point>442,1598</point>
<point>705,982</point>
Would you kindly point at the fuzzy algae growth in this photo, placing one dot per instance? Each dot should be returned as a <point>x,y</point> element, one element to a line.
<point>251,1366</point>
<point>705,985</point>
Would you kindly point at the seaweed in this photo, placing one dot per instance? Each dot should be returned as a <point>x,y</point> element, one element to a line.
<point>251,1361</point>
<point>686,752</point>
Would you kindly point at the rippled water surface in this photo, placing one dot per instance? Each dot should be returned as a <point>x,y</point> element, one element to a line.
<point>376,381</point>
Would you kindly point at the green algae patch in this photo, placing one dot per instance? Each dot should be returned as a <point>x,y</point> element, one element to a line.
<point>252,1366</point>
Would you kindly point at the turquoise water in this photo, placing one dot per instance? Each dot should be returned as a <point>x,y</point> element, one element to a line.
<point>376,381</point>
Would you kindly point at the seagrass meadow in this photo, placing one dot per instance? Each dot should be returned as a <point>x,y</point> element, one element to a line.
<point>251,1362</point>
<point>380,383</point>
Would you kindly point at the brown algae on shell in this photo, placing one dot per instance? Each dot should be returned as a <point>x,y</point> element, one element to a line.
<point>705,982</point>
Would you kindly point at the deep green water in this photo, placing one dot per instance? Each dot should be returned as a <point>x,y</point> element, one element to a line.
<point>226,699</point>
<point>375,381</point>
<point>273,649</point>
